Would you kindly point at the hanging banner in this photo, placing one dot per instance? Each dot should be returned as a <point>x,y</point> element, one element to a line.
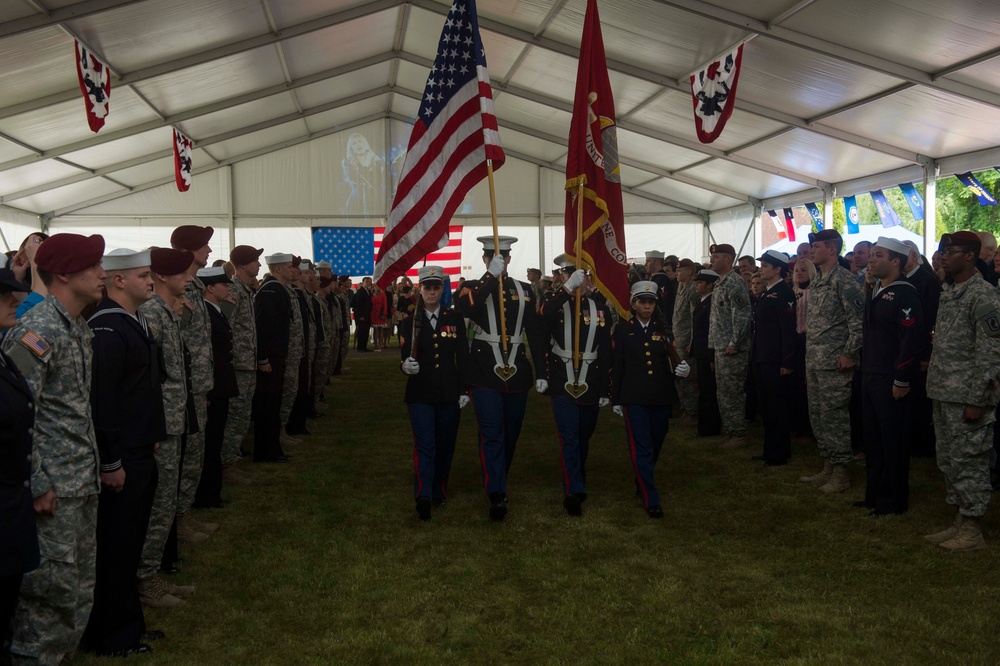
<point>713,91</point>
<point>95,84</point>
<point>182,161</point>
<point>789,223</point>
<point>886,213</point>
<point>985,198</point>
<point>913,198</point>
<point>851,214</point>
<point>816,215</point>
<point>778,226</point>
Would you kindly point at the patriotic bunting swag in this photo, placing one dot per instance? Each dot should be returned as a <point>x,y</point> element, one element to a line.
<point>713,90</point>
<point>95,84</point>
<point>182,161</point>
<point>453,137</point>
<point>593,163</point>
<point>778,226</point>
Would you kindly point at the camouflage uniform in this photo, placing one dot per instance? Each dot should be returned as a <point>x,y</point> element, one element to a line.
<point>244,329</point>
<point>965,370</point>
<point>730,327</point>
<point>164,324</point>
<point>336,331</point>
<point>833,329</point>
<point>197,334</point>
<point>683,316</point>
<point>54,354</point>
<point>296,349</point>
<point>321,367</point>
<point>345,332</point>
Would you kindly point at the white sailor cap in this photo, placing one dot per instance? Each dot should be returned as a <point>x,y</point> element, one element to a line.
<point>654,254</point>
<point>124,259</point>
<point>774,258</point>
<point>645,289</point>
<point>913,246</point>
<point>213,275</point>
<point>306,265</point>
<point>894,245</point>
<point>564,262</point>
<point>706,275</point>
<point>428,274</point>
<point>324,264</point>
<point>505,243</point>
<point>278,258</point>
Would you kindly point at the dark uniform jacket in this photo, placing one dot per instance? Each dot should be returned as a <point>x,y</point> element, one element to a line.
<point>666,299</point>
<point>362,305</point>
<point>699,329</point>
<point>556,373</point>
<point>442,354</point>
<point>476,300</point>
<point>893,333</point>
<point>19,544</point>
<point>929,289</point>
<point>127,395</point>
<point>641,372</point>
<point>224,371</point>
<point>273,311</point>
<point>774,327</point>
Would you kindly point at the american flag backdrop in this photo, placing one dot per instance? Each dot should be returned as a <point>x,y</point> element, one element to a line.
<point>352,250</point>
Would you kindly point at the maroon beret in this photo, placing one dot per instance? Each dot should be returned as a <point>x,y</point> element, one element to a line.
<point>722,248</point>
<point>963,238</point>
<point>296,261</point>
<point>69,253</point>
<point>166,261</point>
<point>825,235</point>
<point>325,282</point>
<point>685,263</point>
<point>345,279</point>
<point>244,254</point>
<point>191,237</point>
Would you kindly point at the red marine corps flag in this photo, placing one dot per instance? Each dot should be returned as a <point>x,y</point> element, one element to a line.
<point>182,160</point>
<point>596,221</point>
<point>95,84</point>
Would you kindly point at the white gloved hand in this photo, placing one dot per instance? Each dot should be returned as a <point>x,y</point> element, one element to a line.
<point>410,366</point>
<point>463,400</point>
<point>575,280</point>
<point>603,402</point>
<point>617,409</point>
<point>682,370</point>
<point>541,385</point>
<point>497,265</point>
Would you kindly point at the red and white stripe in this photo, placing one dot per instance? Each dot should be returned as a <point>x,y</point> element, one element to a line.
<point>448,257</point>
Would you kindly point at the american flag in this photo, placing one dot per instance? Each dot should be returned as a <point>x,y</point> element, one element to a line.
<point>352,251</point>
<point>453,137</point>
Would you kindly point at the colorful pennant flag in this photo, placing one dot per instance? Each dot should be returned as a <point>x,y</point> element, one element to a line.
<point>851,214</point>
<point>593,162</point>
<point>789,223</point>
<point>913,199</point>
<point>886,213</point>
<point>182,160</point>
<point>778,226</point>
<point>95,84</point>
<point>817,216</point>
<point>453,138</point>
<point>713,92</point>
<point>970,181</point>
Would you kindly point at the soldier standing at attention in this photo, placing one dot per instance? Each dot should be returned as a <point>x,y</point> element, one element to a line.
<point>274,316</point>
<point>709,420</point>
<point>246,260</point>
<point>667,285</point>
<point>963,380</point>
<point>162,314</point>
<point>51,347</point>
<point>728,335</point>
<point>833,342</point>
<point>772,353</point>
<point>576,393</point>
<point>434,349</point>
<point>500,379</point>
<point>127,407</point>
<point>296,349</point>
<point>683,323</point>
<point>642,387</point>
<point>197,334</point>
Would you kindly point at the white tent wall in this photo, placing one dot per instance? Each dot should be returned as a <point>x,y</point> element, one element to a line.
<point>734,226</point>
<point>141,232</point>
<point>15,226</point>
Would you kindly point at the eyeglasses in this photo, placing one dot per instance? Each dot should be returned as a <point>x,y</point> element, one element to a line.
<point>955,250</point>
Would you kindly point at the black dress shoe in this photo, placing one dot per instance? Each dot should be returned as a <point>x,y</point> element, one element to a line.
<point>498,507</point>
<point>138,648</point>
<point>152,635</point>
<point>424,508</point>
<point>573,505</point>
<point>655,511</point>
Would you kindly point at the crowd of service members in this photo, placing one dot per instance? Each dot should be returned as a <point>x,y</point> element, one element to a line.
<point>127,384</point>
<point>878,360</point>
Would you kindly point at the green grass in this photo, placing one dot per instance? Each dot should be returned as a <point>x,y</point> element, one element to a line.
<point>323,560</point>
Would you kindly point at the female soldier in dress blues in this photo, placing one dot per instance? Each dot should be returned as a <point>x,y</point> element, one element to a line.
<point>434,349</point>
<point>642,387</point>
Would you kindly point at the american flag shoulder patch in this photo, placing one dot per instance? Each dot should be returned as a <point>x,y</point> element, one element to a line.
<point>34,342</point>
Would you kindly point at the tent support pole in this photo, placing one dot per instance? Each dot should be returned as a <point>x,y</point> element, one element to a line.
<point>930,209</point>
<point>541,225</point>
<point>231,218</point>
<point>828,195</point>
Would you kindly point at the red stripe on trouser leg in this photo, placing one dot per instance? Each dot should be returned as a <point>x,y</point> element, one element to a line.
<point>635,466</point>
<point>416,470</point>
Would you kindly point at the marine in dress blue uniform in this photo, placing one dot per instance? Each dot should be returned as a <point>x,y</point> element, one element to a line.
<point>576,393</point>
<point>642,387</point>
<point>499,381</point>
<point>273,313</point>
<point>434,349</point>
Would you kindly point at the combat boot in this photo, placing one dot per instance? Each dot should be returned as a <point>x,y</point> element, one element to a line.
<point>179,591</point>
<point>948,533</point>
<point>735,442</point>
<point>204,528</point>
<point>186,533</point>
<point>822,477</point>
<point>234,477</point>
<point>969,537</point>
<point>155,596</point>
<point>287,440</point>
<point>840,480</point>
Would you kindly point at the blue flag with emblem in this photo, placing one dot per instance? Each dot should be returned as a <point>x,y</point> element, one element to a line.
<point>851,214</point>
<point>816,215</point>
<point>913,199</point>
<point>886,213</point>
<point>985,198</point>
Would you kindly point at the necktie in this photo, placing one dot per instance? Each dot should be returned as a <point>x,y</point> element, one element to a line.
<point>434,321</point>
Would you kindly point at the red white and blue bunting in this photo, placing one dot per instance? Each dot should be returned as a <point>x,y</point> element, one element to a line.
<point>713,91</point>
<point>95,84</point>
<point>182,160</point>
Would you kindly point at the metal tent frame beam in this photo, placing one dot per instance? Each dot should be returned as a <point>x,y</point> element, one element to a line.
<point>61,15</point>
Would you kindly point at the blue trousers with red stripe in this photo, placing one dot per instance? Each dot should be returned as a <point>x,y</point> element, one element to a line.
<point>435,428</point>
<point>576,425</point>
<point>646,427</point>
<point>500,416</point>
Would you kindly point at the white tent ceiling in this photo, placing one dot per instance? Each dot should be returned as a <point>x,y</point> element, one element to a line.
<point>836,95</point>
